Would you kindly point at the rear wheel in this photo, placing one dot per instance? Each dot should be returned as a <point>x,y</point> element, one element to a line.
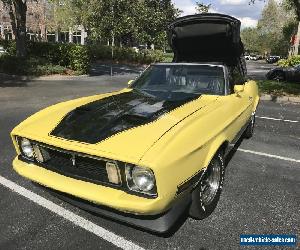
<point>278,75</point>
<point>206,195</point>
<point>250,128</point>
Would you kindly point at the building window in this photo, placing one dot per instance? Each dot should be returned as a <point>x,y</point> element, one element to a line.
<point>77,37</point>
<point>64,37</point>
<point>51,37</point>
<point>8,35</point>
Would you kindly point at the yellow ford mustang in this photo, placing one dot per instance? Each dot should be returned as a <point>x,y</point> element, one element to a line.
<point>150,152</point>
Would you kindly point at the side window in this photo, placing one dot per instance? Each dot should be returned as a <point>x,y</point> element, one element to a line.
<point>237,75</point>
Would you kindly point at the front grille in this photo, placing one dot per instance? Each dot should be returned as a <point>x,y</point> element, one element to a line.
<point>80,166</point>
<point>77,166</point>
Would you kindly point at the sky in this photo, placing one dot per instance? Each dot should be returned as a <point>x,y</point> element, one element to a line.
<point>248,14</point>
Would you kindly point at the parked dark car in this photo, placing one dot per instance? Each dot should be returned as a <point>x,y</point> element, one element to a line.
<point>285,74</point>
<point>273,59</point>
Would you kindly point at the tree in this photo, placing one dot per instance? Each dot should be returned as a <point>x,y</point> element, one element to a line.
<point>273,31</point>
<point>270,26</point>
<point>272,18</point>
<point>250,38</point>
<point>154,20</point>
<point>17,13</point>
<point>127,22</point>
<point>295,6</point>
<point>202,8</point>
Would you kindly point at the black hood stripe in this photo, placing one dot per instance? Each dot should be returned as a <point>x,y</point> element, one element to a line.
<point>98,120</point>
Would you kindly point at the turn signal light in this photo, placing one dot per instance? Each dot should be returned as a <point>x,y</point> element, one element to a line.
<point>113,173</point>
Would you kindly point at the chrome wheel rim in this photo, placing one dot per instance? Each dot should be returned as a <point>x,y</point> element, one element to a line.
<point>210,183</point>
<point>278,76</point>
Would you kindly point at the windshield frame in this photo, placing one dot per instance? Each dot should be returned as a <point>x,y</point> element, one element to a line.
<point>224,68</point>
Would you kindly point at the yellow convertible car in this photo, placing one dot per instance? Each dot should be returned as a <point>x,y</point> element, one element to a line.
<point>156,149</point>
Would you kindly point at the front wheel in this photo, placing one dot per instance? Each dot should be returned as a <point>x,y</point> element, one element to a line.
<point>206,195</point>
<point>250,128</point>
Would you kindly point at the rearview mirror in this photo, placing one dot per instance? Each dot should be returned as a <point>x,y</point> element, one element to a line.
<point>238,89</point>
<point>129,82</point>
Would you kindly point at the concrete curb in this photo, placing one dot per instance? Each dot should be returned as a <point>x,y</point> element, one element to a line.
<point>59,77</point>
<point>6,77</point>
<point>280,99</point>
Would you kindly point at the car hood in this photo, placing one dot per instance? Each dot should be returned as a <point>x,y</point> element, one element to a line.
<point>206,38</point>
<point>121,125</point>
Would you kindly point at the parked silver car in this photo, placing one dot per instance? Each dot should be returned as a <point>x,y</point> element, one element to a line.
<point>2,50</point>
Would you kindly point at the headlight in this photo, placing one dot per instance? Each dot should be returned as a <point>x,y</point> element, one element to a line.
<point>140,179</point>
<point>27,148</point>
<point>143,179</point>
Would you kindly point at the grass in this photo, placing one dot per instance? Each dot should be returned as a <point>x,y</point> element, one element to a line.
<point>279,88</point>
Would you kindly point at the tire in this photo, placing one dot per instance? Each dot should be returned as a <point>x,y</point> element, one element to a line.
<point>250,128</point>
<point>278,75</point>
<point>206,195</point>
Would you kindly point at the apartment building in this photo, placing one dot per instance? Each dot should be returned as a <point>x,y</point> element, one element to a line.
<point>38,28</point>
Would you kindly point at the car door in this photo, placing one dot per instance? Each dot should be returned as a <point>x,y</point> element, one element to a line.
<point>297,74</point>
<point>238,105</point>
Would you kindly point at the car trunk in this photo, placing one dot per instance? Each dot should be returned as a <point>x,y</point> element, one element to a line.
<point>206,38</point>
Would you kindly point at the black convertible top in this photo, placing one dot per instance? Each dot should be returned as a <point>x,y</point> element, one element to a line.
<point>206,37</point>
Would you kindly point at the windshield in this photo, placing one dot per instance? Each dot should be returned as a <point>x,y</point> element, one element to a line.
<point>181,81</point>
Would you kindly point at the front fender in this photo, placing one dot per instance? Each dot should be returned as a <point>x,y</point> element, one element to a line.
<point>216,144</point>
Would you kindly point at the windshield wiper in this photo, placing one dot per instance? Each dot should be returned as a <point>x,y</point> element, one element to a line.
<point>186,99</point>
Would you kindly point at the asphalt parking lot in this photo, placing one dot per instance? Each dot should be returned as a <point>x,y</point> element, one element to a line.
<point>261,193</point>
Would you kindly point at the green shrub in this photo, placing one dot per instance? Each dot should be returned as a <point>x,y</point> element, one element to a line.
<point>99,52</point>
<point>283,63</point>
<point>124,54</point>
<point>47,69</point>
<point>168,57</point>
<point>79,59</point>
<point>33,66</point>
<point>294,60</point>
<point>290,62</point>
<point>75,57</point>
<point>12,65</point>
<point>152,56</point>
<point>55,57</point>
<point>9,46</point>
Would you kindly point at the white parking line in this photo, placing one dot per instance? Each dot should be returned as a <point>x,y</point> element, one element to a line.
<point>275,119</point>
<point>70,216</point>
<point>268,155</point>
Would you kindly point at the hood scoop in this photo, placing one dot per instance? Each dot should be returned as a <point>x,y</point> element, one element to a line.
<point>206,38</point>
<point>98,120</point>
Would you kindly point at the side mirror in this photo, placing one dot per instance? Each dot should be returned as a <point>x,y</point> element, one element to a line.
<point>129,82</point>
<point>238,89</point>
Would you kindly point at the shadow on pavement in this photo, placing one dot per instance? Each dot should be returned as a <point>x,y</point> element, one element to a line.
<point>14,81</point>
<point>233,151</point>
